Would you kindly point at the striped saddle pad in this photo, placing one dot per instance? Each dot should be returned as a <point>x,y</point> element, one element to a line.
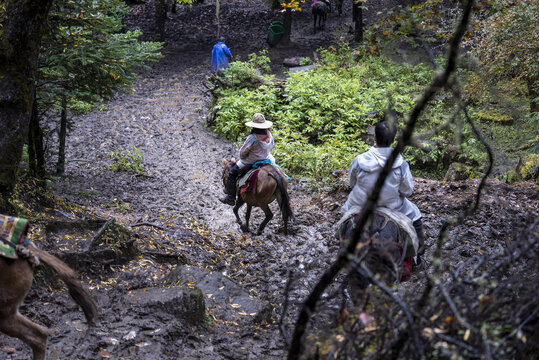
<point>13,231</point>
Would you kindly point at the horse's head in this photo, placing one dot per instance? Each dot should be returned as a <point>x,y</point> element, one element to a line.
<point>227,165</point>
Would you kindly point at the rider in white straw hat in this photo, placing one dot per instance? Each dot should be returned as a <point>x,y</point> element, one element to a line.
<point>256,147</point>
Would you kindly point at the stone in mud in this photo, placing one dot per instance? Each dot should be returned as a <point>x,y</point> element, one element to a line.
<point>291,62</point>
<point>227,299</point>
<point>183,303</point>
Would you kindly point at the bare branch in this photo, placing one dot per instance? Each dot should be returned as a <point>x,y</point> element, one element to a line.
<point>462,344</point>
<point>282,327</point>
<point>363,270</point>
<point>454,309</point>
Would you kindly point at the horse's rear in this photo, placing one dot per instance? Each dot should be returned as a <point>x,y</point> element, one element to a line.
<point>271,185</point>
<point>320,11</point>
<point>383,249</point>
<point>16,277</point>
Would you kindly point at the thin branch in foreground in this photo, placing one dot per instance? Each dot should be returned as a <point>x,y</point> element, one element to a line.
<point>459,343</point>
<point>439,81</point>
<point>282,327</point>
<point>364,271</point>
<point>454,309</point>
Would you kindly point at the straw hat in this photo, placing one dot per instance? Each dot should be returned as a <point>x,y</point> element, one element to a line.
<point>259,122</point>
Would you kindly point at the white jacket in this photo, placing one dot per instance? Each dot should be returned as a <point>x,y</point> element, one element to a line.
<point>399,184</point>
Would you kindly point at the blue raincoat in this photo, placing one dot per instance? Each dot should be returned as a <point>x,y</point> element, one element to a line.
<point>219,57</point>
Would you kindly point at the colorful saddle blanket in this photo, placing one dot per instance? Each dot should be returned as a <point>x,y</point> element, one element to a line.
<point>13,232</point>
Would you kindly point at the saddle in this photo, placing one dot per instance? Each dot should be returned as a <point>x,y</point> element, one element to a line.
<point>247,183</point>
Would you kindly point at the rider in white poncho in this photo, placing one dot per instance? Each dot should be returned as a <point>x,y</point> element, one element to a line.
<point>399,184</point>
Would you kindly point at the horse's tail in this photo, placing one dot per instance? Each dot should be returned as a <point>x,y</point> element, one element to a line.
<point>284,204</point>
<point>70,277</point>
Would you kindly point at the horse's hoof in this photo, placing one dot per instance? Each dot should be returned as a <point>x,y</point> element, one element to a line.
<point>244,228</point>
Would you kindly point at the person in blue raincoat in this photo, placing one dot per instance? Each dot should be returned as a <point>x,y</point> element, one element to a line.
<point>219,56</point>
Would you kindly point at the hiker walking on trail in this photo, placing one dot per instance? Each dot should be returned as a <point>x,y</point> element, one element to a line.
<point>399,184</point>
<point>219,57</point>
<point>256,147</point>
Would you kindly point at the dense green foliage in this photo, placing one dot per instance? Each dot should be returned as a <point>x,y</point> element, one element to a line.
<point>322,117</point>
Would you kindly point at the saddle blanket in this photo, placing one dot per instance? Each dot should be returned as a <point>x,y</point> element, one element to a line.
<point>247,183</point>
<point>13,232</point>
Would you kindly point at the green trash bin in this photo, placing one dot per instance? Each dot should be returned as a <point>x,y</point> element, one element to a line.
<point>275,32</point>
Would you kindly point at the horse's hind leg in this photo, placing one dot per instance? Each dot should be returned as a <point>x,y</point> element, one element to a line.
<point>269,216</point>
<point>31,333</point>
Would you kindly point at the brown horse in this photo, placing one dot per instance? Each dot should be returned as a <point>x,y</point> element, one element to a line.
<point>386,247</point>
<point>16,277</point>
<point>271,184</point>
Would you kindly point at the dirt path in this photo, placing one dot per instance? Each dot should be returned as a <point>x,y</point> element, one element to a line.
<point>164,118</point>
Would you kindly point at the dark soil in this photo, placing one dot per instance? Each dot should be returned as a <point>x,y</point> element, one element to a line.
<point>186,239</point>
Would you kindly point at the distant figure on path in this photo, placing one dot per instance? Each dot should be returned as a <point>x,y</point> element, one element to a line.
<point>219,57</point>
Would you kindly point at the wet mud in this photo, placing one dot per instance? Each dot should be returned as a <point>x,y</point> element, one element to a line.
<point>183,250</point>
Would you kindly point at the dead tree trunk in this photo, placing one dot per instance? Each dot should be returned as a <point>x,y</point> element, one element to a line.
<point>287,27</point>
<point>357,18</point>
<point>36,152</point>
<point>160,11</point>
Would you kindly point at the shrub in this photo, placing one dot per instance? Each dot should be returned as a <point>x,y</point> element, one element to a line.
<point>127,160</point>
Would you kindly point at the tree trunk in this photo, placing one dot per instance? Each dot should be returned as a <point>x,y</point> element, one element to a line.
<point>287,25</point>
<point>20,35</point>
<point>160,18</point>
<point>36,152</point>
<point>60,165</point>
<point>357,17</point>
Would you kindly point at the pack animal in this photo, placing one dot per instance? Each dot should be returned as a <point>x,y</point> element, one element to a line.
<point>271,184</point>
<point>387,247</point>
<point>320,9</point>
<point>16,277</point>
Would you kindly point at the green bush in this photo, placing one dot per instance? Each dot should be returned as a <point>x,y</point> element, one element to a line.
<point>321,117</point>
<point>127,160</point>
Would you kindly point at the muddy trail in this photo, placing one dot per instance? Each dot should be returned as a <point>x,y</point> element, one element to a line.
<point>182,250</point>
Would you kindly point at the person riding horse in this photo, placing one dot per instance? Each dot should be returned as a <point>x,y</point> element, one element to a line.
<point>399,184</point>
<point>256,147</point>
